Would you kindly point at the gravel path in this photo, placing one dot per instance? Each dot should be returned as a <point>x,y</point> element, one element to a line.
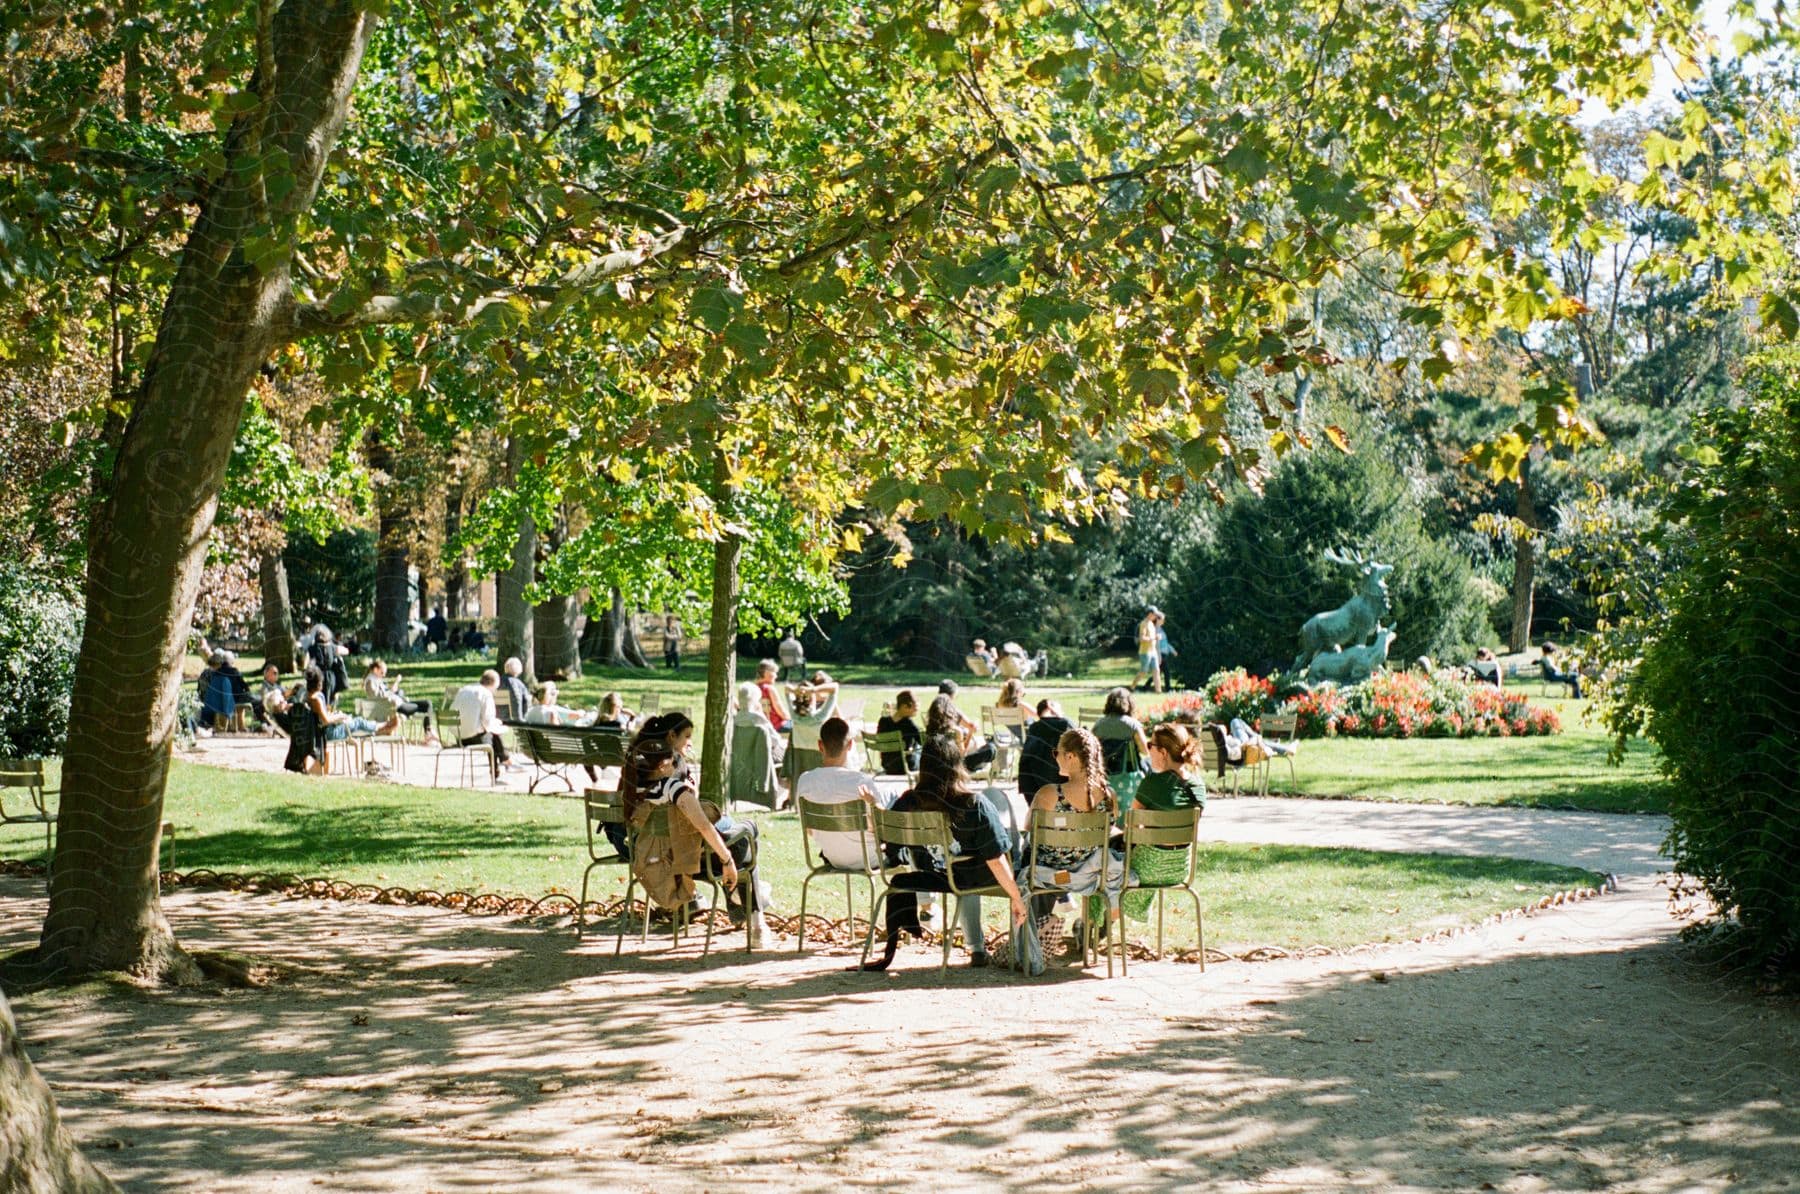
<point>1577,1049</point>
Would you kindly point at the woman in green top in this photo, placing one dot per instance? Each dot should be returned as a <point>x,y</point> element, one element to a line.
<point>1173,783</point>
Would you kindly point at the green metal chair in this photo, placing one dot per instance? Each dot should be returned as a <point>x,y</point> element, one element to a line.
<point>1153,829</point>
<point>886,742</point>
<point>929,831</point>
<point>600,808</point>
<point>850,816</point>
<point>1074,831</point>
<point>27,774</point>
<point>1282,729</point>
<point>656,824</point>
<point>1209,764</point>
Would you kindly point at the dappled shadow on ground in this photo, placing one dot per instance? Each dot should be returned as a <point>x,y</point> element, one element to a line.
<point>427,1050</point>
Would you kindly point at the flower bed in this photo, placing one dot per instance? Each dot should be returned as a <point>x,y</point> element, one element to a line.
<point>1388,705</point>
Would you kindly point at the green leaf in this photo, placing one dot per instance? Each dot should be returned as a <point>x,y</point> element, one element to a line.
<point>715,307</point>
<point>1778,312</point>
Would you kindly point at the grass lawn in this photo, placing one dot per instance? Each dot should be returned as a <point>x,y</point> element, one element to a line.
<point>1568,770</point>
<point>391,835</point>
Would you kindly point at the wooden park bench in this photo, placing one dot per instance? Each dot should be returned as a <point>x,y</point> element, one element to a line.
<point>555,749</point>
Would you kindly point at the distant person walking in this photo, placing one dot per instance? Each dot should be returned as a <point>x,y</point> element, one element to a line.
<point>672,645</point>
<point>1149,648</point>
<point>793,659</point>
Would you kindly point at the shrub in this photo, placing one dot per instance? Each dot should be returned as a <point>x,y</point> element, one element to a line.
<point>1248,588</point>
<point>40,637</point>
<point>1714,688</point>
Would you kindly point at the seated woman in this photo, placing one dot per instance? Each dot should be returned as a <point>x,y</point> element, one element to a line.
<point>816,698</point>
<point>946,719</point>
<point>547,711</point>
<point>1173,783</point>
<point>338,725</point>
<point>1119,732</point>
<point>1553,674</point>
<point>901,720</point>
<point>327,725</point>
<point>984,851</point>
<point>377,687</point>
<point>1012,696</point>
<point>656,774</point>
<point>1486,668</point>
<point>613,714</point>
<point>1083,790</point>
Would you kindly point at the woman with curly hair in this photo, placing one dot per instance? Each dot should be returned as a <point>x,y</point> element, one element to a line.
<point>1082,790</point>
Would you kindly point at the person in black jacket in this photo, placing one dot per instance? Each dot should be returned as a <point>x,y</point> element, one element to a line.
<point>906,706</point>
<point>1037,758</point>
<point>323,652</point>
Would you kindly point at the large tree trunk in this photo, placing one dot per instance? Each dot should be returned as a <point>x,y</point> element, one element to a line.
<point>393,571</point>
<point>556,625</point>
<point>721,669</point>
<point>628,641</point>
<point>613,635</point>
<point>222,316</point>
<point>454,573</point>
<point>36,1152</point>
<point>516,633</point>
<point>277,614</point>
<point>1524,558</point>
<point>593,638</point>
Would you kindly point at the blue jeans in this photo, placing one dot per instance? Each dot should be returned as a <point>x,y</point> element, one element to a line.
<point>338,731</point>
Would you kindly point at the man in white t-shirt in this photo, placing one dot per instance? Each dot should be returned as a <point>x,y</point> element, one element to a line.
<point>479,720</point>
<point>836,782</point>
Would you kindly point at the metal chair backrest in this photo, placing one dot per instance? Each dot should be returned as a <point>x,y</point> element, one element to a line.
<point>912,829</point>
<point>849,816</point>
<point>1150,828</point>
<point>1010,716</point>
<point>1280,727</point>
<point>1161,827</point>
<point>1087,715</point>
<point>602,808</point>
<point>650,702</point>
<point>1068,831</point>
<point>503,703</point>
<point>21,773</point>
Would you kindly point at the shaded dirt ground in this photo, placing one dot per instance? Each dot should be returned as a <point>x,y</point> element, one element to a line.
<point>426,1050</point>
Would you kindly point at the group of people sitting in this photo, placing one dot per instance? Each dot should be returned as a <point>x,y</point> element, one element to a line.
<point>1067,773</point>
<point>1486,669</point>
<point>1011,661</point>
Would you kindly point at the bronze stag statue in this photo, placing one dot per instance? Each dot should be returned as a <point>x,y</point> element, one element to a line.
<point>1351,623</point>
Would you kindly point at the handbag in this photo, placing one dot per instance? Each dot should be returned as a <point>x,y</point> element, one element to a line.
<point>1027,951</point>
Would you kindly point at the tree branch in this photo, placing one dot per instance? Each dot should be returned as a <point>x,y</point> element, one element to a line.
<point>479,291</point>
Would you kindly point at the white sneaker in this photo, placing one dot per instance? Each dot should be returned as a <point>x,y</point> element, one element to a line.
<point>759,930</point>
